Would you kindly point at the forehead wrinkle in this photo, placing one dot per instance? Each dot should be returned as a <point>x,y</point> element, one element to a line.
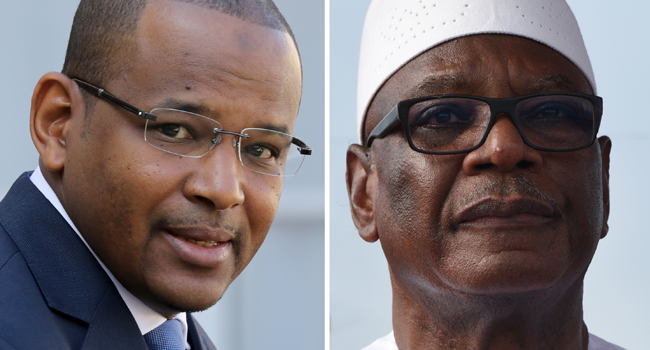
<point>234,75</point>
<point>440,84</point>
<point>233,71</point>
<point>553,82</point>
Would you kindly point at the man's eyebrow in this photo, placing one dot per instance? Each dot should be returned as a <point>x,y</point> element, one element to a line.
<point>210,113</point>
<point>187,107</point>
<point>553,82</point>
<point>281,128</point>
<point>438,84</point>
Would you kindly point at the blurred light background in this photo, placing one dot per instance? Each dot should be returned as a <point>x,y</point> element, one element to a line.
<point>277,303</point>
<point>617,284</point>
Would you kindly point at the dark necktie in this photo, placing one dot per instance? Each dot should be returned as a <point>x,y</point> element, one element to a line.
<point>167,336</point>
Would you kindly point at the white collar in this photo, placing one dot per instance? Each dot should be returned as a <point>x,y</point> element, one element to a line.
<point>146,318</point>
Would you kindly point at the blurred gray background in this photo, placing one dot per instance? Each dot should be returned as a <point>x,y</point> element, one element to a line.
<point>278,302</point>
<point>617,284</point>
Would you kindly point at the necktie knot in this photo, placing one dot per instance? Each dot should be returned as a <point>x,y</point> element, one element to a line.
<point>167,336</point>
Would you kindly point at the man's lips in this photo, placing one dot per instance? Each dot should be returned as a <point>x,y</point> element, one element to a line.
<point>200,245</point>
<point>505,210</point>
<point>205,244</point>
<point>204,236</point>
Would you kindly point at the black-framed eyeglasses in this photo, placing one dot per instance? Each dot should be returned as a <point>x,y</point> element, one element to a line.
<point>452,124</point>
<point>188,134</point>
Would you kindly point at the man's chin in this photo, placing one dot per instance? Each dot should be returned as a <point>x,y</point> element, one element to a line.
<point>189,308</point>
<point>507,278</point>
<point>171,303</point>
<point>171,308</point>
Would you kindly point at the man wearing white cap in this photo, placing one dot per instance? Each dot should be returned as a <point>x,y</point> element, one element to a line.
<point>480,171</point>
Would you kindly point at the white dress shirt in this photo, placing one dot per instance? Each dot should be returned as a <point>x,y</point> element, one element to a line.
<point>146,318</point>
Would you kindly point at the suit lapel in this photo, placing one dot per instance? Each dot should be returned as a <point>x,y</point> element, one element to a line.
<point>69,276</point>
<point>113,327</point>
<point>198,339</point>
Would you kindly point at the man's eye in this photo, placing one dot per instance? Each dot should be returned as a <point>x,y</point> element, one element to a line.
<point>259,151</point>
<point>550,113</point>
<point>555,114</point>
<point>437,115</point>
<point>176,131</point>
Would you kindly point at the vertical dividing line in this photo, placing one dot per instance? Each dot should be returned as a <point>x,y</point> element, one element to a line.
<point>327,175</point>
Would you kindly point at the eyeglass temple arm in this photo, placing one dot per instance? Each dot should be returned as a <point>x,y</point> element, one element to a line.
<point>105,95</point>
<point>385,125</point>
<point>303,148</point>
<point>598,113</point>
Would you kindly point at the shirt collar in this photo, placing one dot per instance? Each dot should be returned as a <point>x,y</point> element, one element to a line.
<point>146,318</point>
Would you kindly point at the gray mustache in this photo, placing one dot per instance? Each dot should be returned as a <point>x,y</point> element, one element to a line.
<point>505,187</point>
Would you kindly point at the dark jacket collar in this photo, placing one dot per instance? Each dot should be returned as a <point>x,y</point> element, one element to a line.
<point>197,337</point>
<point>69,276</point>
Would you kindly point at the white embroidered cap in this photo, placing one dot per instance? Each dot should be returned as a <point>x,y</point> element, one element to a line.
<point>397,31</point>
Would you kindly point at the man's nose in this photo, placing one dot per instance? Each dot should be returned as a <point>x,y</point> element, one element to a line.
<point>504,150</point>
<point>217,179</point>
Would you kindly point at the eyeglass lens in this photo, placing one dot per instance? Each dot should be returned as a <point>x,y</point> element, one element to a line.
<point>454,124</point>
<point>183,133</point>
<point>270,152</point>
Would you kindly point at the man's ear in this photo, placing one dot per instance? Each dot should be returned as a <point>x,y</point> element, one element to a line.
<point>361,184</point>
<point>605,149</point>
<point>51,112</point>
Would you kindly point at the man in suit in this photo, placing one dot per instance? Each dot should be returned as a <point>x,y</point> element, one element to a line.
<point>137,216</point>
<point>480,171</point>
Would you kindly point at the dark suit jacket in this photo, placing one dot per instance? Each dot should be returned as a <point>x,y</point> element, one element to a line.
<point>53,292</point>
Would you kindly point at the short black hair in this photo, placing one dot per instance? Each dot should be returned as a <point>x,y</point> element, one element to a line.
<point>102,35</point>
